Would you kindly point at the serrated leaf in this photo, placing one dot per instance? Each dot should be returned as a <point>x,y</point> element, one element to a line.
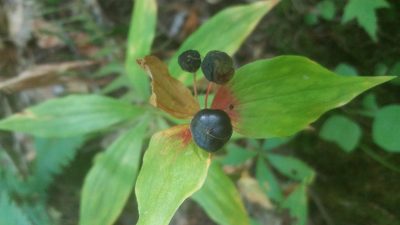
<point>364,12</point>
<point>174,167</point>
<point>297,204</point>
<point>386,127</point>
<point>169,94</point>
<point>10,177</point>
<point>70,116</point>
<point>291,167</point>
<point>220,199</point>
<point>37,212</point>
<point>140,38</point>
<point>280,96</point>
<point>267,181</point>
<point>110,181</point>
<point>342,131</point>
<point>51,156</point>
<point>10,213</point>
<point>225,32</point>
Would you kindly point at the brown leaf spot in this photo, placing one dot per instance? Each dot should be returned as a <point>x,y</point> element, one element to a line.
<point>225,100</point>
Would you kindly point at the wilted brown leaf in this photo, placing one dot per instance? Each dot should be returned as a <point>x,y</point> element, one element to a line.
<point>169,94</point>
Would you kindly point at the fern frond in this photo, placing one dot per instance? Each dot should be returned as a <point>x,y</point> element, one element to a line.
<point>10,213</point>
<point>52,155</point>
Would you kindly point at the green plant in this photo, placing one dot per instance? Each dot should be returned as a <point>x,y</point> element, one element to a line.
<point>364,12</point>
<point>265,98</point>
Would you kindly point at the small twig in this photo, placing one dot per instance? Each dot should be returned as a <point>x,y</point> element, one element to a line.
<point>321,207</point>
<point>379,159</point>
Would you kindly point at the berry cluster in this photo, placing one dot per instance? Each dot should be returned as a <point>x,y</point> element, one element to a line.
<point>211,128</point>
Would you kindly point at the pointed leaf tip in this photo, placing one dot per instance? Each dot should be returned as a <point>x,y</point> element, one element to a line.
<point>172,171</point>
<point>168,93</point>
<point>280,96</point>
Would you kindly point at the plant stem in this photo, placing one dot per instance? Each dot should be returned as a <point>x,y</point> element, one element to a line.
<point>208,92</point>
<point>195,85</point>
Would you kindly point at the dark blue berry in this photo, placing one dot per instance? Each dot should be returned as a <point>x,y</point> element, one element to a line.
<point>211,129</point>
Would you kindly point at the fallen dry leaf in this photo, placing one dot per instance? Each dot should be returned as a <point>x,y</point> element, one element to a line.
<point>41,75</point>
<point>252,192</point>
<point>169,94</point>
<point>45,34</point>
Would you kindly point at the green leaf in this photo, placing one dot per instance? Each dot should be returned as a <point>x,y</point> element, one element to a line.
<point>364,12</point>
<point>10,213</point>
<point>272,143</point>
<point>291,167</point>
<point>346,70</point>
<point>51,156</point>
<point>297,204</point>
<point>237,155</point>
<point>225,31</point>
<point>386,127</point>
<point>370,103</point>
<point>220,199</point>
<point>278,97</point>
<point>268,182</point>
<point>37,212</point>
<point>311,19</point>
<point>174,167</point>
<point>395,70</point>
<point>10,177</point>
<point>327,9</point>
<point>381,69</point>
<point>110,181</point>
<point>342,131</point>
<point>141,35</point>
<point>70,116</point>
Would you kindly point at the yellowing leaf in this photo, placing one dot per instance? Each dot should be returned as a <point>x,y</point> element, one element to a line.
<point>280,96</point>
<point>169,94</point>
<point>220,199</point>
<point>174,167</point>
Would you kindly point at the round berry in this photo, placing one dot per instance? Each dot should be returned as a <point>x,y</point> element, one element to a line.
<point>211,129</point>
<point>217,67</point>
<point>189,60</point>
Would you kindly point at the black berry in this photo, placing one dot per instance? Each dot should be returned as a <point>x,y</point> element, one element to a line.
<point>217,67</point>
<point>211,129</point>
<point>190,60</point>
